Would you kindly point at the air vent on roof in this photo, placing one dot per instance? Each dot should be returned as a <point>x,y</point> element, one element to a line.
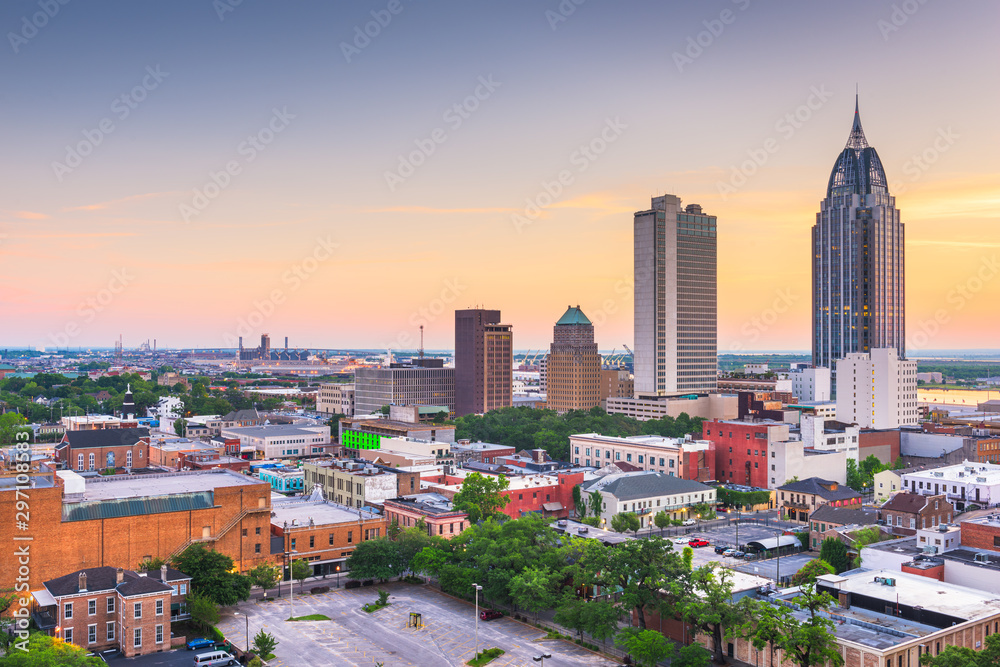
<point>583,530</point>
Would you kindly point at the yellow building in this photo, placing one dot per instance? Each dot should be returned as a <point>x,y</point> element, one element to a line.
<point>574,366</point>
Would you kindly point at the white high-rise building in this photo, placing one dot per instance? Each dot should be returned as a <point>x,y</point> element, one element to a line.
<point>877,389</point>
<point>675,299</point>
<point>810,385</point>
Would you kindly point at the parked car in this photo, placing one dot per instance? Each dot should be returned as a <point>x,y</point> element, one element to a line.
<point>738,554</point>
<point>490,614</point>
<point>720,550</point>
<point>698,543</point>
<point>689,522</point>
<point>200,643</point>
<point>750,556</point>
<point>728,552</point>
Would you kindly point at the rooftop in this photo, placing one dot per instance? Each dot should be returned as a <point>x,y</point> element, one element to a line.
<point>824,488</point>
<point>845,516</point>
<point>111,437</point>
<point>296,512</point>
<point>573,316</point>
<point>429,503</point>
<point>631,486</point>
<point>966,472</point>
<point>105,579</point>
<point>272,430</point>
<point>113,487</point>
<point>648,440</point>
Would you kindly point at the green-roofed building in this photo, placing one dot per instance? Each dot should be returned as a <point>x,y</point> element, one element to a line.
<point>573,371</point>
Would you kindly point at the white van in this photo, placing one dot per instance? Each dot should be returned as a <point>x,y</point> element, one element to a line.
<point>212,658</point>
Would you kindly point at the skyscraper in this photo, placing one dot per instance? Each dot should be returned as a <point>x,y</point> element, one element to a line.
<point>574,366</point>
<point>484,361</point>
<point>675,299</point>
<point>857,271</point>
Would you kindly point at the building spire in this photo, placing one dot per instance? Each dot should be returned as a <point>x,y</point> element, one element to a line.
<point>857,139</point>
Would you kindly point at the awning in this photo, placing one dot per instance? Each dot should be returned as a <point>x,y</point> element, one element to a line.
<point>773,542</point>
<point>552,507</point>
<point>43,598</point>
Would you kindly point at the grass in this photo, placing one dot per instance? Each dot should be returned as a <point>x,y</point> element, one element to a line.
<point>374,606</point>
<point>310,617</point>
<point>489,655</point>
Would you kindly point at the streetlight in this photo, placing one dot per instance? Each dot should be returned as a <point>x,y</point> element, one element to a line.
<point>478,588</point>
<point>541,658</point>
<point>247,617</point>
<point>338,575</point>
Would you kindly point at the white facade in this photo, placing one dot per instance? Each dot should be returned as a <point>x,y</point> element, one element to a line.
<point>837,439</point>
<point>811,385</point>
<point>969,482</point>
<point>280,441</point>
<point>650,452</point>
<point>789,459</point>
<point>644,408</point>
<point>334,398</point>
<point>877,390</point>
<point>673,501</point>
<point>168,407</point>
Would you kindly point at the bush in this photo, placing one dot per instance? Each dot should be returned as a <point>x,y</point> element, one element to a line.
<point>315,590</point>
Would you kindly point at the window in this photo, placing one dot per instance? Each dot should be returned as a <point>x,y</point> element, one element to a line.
<point>244,532</point>
<point>159,634</point>
<point>128,464</point>
<point>628,457</point>
<point>91,607</point>
<point>293,544</point>
<point>137,608</point>
<point>159,607</point>
<point>92,634</point>
<point>618,456</point>
<point>640,458</point>
<point>68,611</point>
<point>184,589</point>
<point>111,605</point>
<point>111,631</point>
<point>90,461</point>
<point>520,496</point>
<point>350,536</point>
<point>137,637</point>
<point>257,530</point>
<point>68,632</point>
<point>671,463</point>
<point>661,462</point>
<point>79,466</point>
<point>312,541</point>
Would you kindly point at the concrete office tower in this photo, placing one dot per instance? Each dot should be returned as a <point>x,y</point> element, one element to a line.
<point>404,384</point>
<point>675,299</point>
<point>573,379</point>
<point>877,390</point>
<point>484,361</point>
<point>857,265</point>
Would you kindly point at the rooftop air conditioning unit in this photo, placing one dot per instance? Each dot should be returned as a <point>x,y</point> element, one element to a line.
<point>583,530</point>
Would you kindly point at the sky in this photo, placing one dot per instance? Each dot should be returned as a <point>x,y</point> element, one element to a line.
<point>342,173</point>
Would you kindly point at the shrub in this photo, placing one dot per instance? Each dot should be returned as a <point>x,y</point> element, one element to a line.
<point>319,589</point>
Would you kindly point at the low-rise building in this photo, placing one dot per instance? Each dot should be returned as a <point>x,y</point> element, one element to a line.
<point>321,532</point>
<point>171,452</point>
<point>649,452</point>
<point>905,512</point>
<point>646,493</point>
<point>335,398</point>
<point>282,440</point>
<point>887,482</point>
<point>99,449</point>
<point>810,384</point>
<point>644,407</point>
<point>548,494</point>
<point>792,459</point>
<point>965,484</point>
<point>357,434</point>
<point>102,607</point>
<point>800,499</point>
<point>465,451</point>
<point>436,511</point>
<point>827,518</point>
<point>283,479</point>
<point>359,483</point>
<point>830,435</point>
<point>742,449</point>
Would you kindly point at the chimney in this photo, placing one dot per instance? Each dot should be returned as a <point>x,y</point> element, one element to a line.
<point>163,573</point>
<point>82,588</point>
<point>119,576</point>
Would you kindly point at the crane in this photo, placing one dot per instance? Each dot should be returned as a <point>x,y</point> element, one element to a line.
<point>629,350</point>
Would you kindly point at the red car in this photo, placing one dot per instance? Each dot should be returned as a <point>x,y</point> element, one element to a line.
<point>489,615</point>
<point>698,543</point>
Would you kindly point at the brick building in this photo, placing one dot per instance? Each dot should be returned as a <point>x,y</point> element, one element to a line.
<point>121,520</point>
<point>102,607</point>
<point>905,512</point>
<point>982,533</point>
<point>573,374</point>
<point>883,445</point>
<point>436,511</point>
<point>825,521</point>
<point>358,483</point>
<point>98,449</point>
<point>548,494</point>
<point>800,499</point>
<point>742,449</point>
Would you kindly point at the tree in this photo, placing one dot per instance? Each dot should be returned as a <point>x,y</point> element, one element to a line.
<point>834,552</point>
<point>601,619</point>
<point>264,576</point>
<point>596,503</point>
<point>662,520</point>
<point>854,478</point>
<point>179,426</point>
<point>692,655</point>
<point>898,464</point>
<point>647,647</point>
<point>534,589</point>
<point>481,496</point>
<point>864,537</point>
<point>45,651</point>
<point>203,610</point>
<point>302,570</point>
<point>264,643</point>
<point>376,559</point>
<point>152,564</point>
<point>807,573</point>
<point>687,556</point>
<point>578,502</point>
<point>594,521</point>
<point>625,521</point>
<point>570,613</point>
<point>211,575</point>
<point>709,606</point>
<point>11,425</point>
<point>808,643</point>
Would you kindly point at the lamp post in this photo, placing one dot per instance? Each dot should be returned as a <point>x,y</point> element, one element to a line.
<point>247,617</point>
<point>541,658</point>
<point>478,588</point>
<point>338,575</point>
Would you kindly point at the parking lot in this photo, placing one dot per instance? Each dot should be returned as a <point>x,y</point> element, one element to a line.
<point>788,566</point>
<point>354,637</point>
<point>727,536</point>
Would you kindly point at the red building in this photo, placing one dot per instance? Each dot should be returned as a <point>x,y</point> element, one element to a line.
<point>741,449</point>
<point>548,494</point>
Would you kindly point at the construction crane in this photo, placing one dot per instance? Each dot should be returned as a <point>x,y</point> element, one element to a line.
<point>629,350</point>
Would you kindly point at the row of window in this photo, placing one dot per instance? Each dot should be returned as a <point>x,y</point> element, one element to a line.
<point>110,630</point>
<point>136,608</point>
<point>109,460</point>
<point>628,457</point>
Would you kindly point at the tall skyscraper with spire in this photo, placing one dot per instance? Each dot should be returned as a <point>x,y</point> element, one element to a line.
<point>857,263</point>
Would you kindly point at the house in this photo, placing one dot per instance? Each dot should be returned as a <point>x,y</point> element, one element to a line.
<point>103,607</point>
<point>905,512</point>
<point>828,518</point>
<point>436,511</point>
<point>646,493</point>
<point>99,449</point>
<point>887,483</point>
<point>799,499</point>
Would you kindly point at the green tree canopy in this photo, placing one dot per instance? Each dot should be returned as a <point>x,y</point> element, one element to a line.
<point>807,573</point>
<point>45,651</point>
<point>624,522</point>
<point>960,656</point>
<point>481,496</point>
<point>834,552</point>
<point>647,647</point>
<point>211,575</point>
<point>376,559</point>
<point>264,576</point>
<point>708,604</point>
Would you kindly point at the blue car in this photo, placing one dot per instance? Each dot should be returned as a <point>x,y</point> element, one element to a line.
<point>200,643</point>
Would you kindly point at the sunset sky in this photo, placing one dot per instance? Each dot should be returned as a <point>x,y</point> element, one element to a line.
<point>334,226</point>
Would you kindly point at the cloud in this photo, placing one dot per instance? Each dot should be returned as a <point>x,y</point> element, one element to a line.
<point>28,215</point>
<point>100,206</point>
